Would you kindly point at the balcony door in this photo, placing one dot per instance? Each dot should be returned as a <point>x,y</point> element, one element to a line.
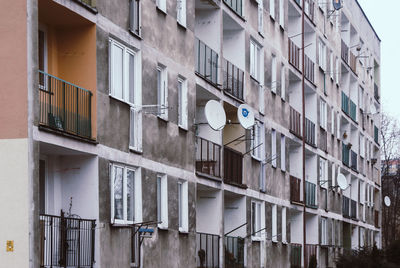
<point>42,53</point>
<point>42,187</point>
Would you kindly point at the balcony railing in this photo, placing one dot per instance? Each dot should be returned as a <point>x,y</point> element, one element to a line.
<point>234,252</point>
<point>346,207</point>
<point>309,9</point>
<point>310,132</point>
<point>311,194</point>
<point>208,157</point>
<point>353,160</point>
<point>294,55</point>
<point>345,103</point>
<point>353,111</point>
<point>295,185</point>
<point>233,166</point>
<point>376,134</point>
<point>353,209</point>
<point>236,6</point>
<point>233,79</point>
<point>309,69</point>
<point>295,122</point>
<point>345,52</point>
<point>206,62</point>
<point>64,106</point>
<point>207,247</point>
<point>66,242</point>
<point>90,3</point>
<point>345,154</point>
<point>323,145</point>
<point>376,92</point>
<point>376,218</point>
<point>353,62</point>
<point>295,255</point>
<point>311,253</point>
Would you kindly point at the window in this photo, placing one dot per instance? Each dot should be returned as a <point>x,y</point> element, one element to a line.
<point>323,173</point>
<point>322,55</point>
<point>284,239</point>
<point>323,114</point>
<point>274,223</point>
<point>361,98</point>
<point>257,141</point>
<point>260,17</point>
<point>333,232</point>
<point>255,60</point>
<point>324,232</point>
<point>273,74</point>
<point>162,92</point>
<point>181,12</point>
<point>261,99</point>
<point>183,199</point>
<point>272,8</point>
<point>282,13</point>
<point>135,249</point>
<point>333,175</point>
<point>135,129</point>
<point>135,23</point>
<point>283,82</point>
<point>262,176</point>
<point>162,201</point>
<point>126,196</point>
<point>273,148</point>
<point>182,103</point>
<point>362,146</point>
<point>124,70</point>
<point>257,220</point>
<point>338,125</point>
<point>331,63</point>
<point>332,120</point>
<point>162,5</point>
<point>283,152</point>
<point>337,71</point>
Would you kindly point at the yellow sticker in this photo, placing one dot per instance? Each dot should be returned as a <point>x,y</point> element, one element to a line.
<point>10,246</point>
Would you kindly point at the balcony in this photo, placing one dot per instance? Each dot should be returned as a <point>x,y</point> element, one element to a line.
<point>64,106</point>
<point>295,122</point>
<point>376,92</point>
<point>206,62</point>
<point>310,132</point>
<point>208,158</point>
<point>353,209</point>
<point>234,252</point>
<point>353,111</point>
<point>345,103</point>
<point>295,185</point>
<point>207,248</point>
<point>376,218</point>
<point>233,166</point>
<point>294,55</point>
<point>311,195</point>
<point>309,9</point>
<point>295,255</point>
<point>345,154</point>
<point>311,253</point>
<point>66,241</point>
<point>233,80</point>
<point>353,162</point>
<point>353,62</point>
<point>346,207</point>
<point>236,6</point>
<point>376,134</point>
<point>345,52</point>
<point>309,69</point>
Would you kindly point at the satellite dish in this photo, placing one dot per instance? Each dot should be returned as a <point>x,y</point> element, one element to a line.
<point>387,201</point>
<point>337,4</point>
<point>246,116</point>
<point>215,115</point>
<point>373,109</point>
<point>342,181</point>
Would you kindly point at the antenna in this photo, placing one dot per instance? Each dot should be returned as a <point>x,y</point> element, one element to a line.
<point>246,116</point>
<point>215,115</point>
<point>387,201</point>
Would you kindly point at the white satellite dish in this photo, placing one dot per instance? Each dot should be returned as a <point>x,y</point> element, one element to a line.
<point>373,109</point>
<point>342,181</point>
<point>215,115</point>
<point>387,201</point>
<point>246,116</point>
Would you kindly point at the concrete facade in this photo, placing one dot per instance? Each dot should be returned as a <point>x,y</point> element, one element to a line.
<point>259,197</point>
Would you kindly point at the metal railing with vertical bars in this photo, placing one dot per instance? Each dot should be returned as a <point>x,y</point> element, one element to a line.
<point>295,186</point>
<point>309,9</point>
<point>207,247</point>
<point>309,69</point>
<point>353,62</point>
<point>353,163</point>
<point>353,209</point>
<point>233,166</point>
<point>294,54</point>
<point>345,154</point>
<point>295,255</point>
<point>295,122</point>
<point>376,92</point>
<point>235,5</point>
<point>345,52</point>
<point>323,145</point>
<point>376,218</point>
<point>206,62</point>
<point>233,79</point>
<point>311,194</point>
<point>310,132</point>
<point>234,252</point>
<point>66,241</point>
<point>345,103</point>
<point>376,134</point>
<point>310,255</point>
<point>64,106</point>
<point>353,111</point>
<point>208,157</point>
<point>346,207</point>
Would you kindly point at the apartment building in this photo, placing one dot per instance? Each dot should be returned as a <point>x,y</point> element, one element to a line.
<point>107,158</point>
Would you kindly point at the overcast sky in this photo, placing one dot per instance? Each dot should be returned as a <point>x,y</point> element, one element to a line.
<point>384,16</point>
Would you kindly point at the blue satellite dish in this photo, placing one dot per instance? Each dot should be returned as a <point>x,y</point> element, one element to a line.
<point>337,4</point>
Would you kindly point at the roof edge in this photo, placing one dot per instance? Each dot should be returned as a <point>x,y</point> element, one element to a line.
<point>365,15</point>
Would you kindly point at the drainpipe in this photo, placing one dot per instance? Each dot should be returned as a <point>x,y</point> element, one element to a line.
<point>304,134</point>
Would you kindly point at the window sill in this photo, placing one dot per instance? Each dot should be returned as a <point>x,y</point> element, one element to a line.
<point>163,228</point>
<point>272,17</point>
<point>135,150</point>
<point>161,10</point>
<point>256,239</point>
<point>258,159</point>
<point>181,25</point>
<point>183,231</point>
<point>186,129</point>
<point>261,34</point>
<point>137,35</point>
<point>274,241</point>
<point>165,119</point>
<point>254,79</point>
<point>121,100</point>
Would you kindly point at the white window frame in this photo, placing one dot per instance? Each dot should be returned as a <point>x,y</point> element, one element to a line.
<point>324,232</point>
<point>137,209</point>
<point>333,232</point>
<point>272,9</point>
<point>255,60</point>
<point>332,120</point>
<point>284,222</point>
<point>262,177</point>
<point>362,146</point>
<point>331,64</point>
<point>162,5</point>
<point>261,99</point>
<point>182,103</point>
<point>274,218</point>
<point>135,129</point>
<point>162,201</point>
<point>273,148</point>
<point>322,54</point>
<point>183,206</point>
<point>274,81</point>
<point>337,71</point>
<point>283,152</point>
<point>333,176</point>
<point>259,223</point>
<point>260,14</point>
<point>323,113</point>
<point>257,139</point>
<point>162,92</point>
<point>181,12</point>
<point>338,125</point>
<point>135,17</point>
<point>361,98</point>
<point>282,13</point>
<point>283,82</point>
<point>323,173</point>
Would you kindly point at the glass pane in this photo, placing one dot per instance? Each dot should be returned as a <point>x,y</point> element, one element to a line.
<point>117,70</point>
<point>180,203</point>
<point>158,199</point>
<point>180,104</point>
<point>132,128</point>
<point>118,193</point>
<point>131,78</point>
<point>130,194</point>
<point>253,218</point>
